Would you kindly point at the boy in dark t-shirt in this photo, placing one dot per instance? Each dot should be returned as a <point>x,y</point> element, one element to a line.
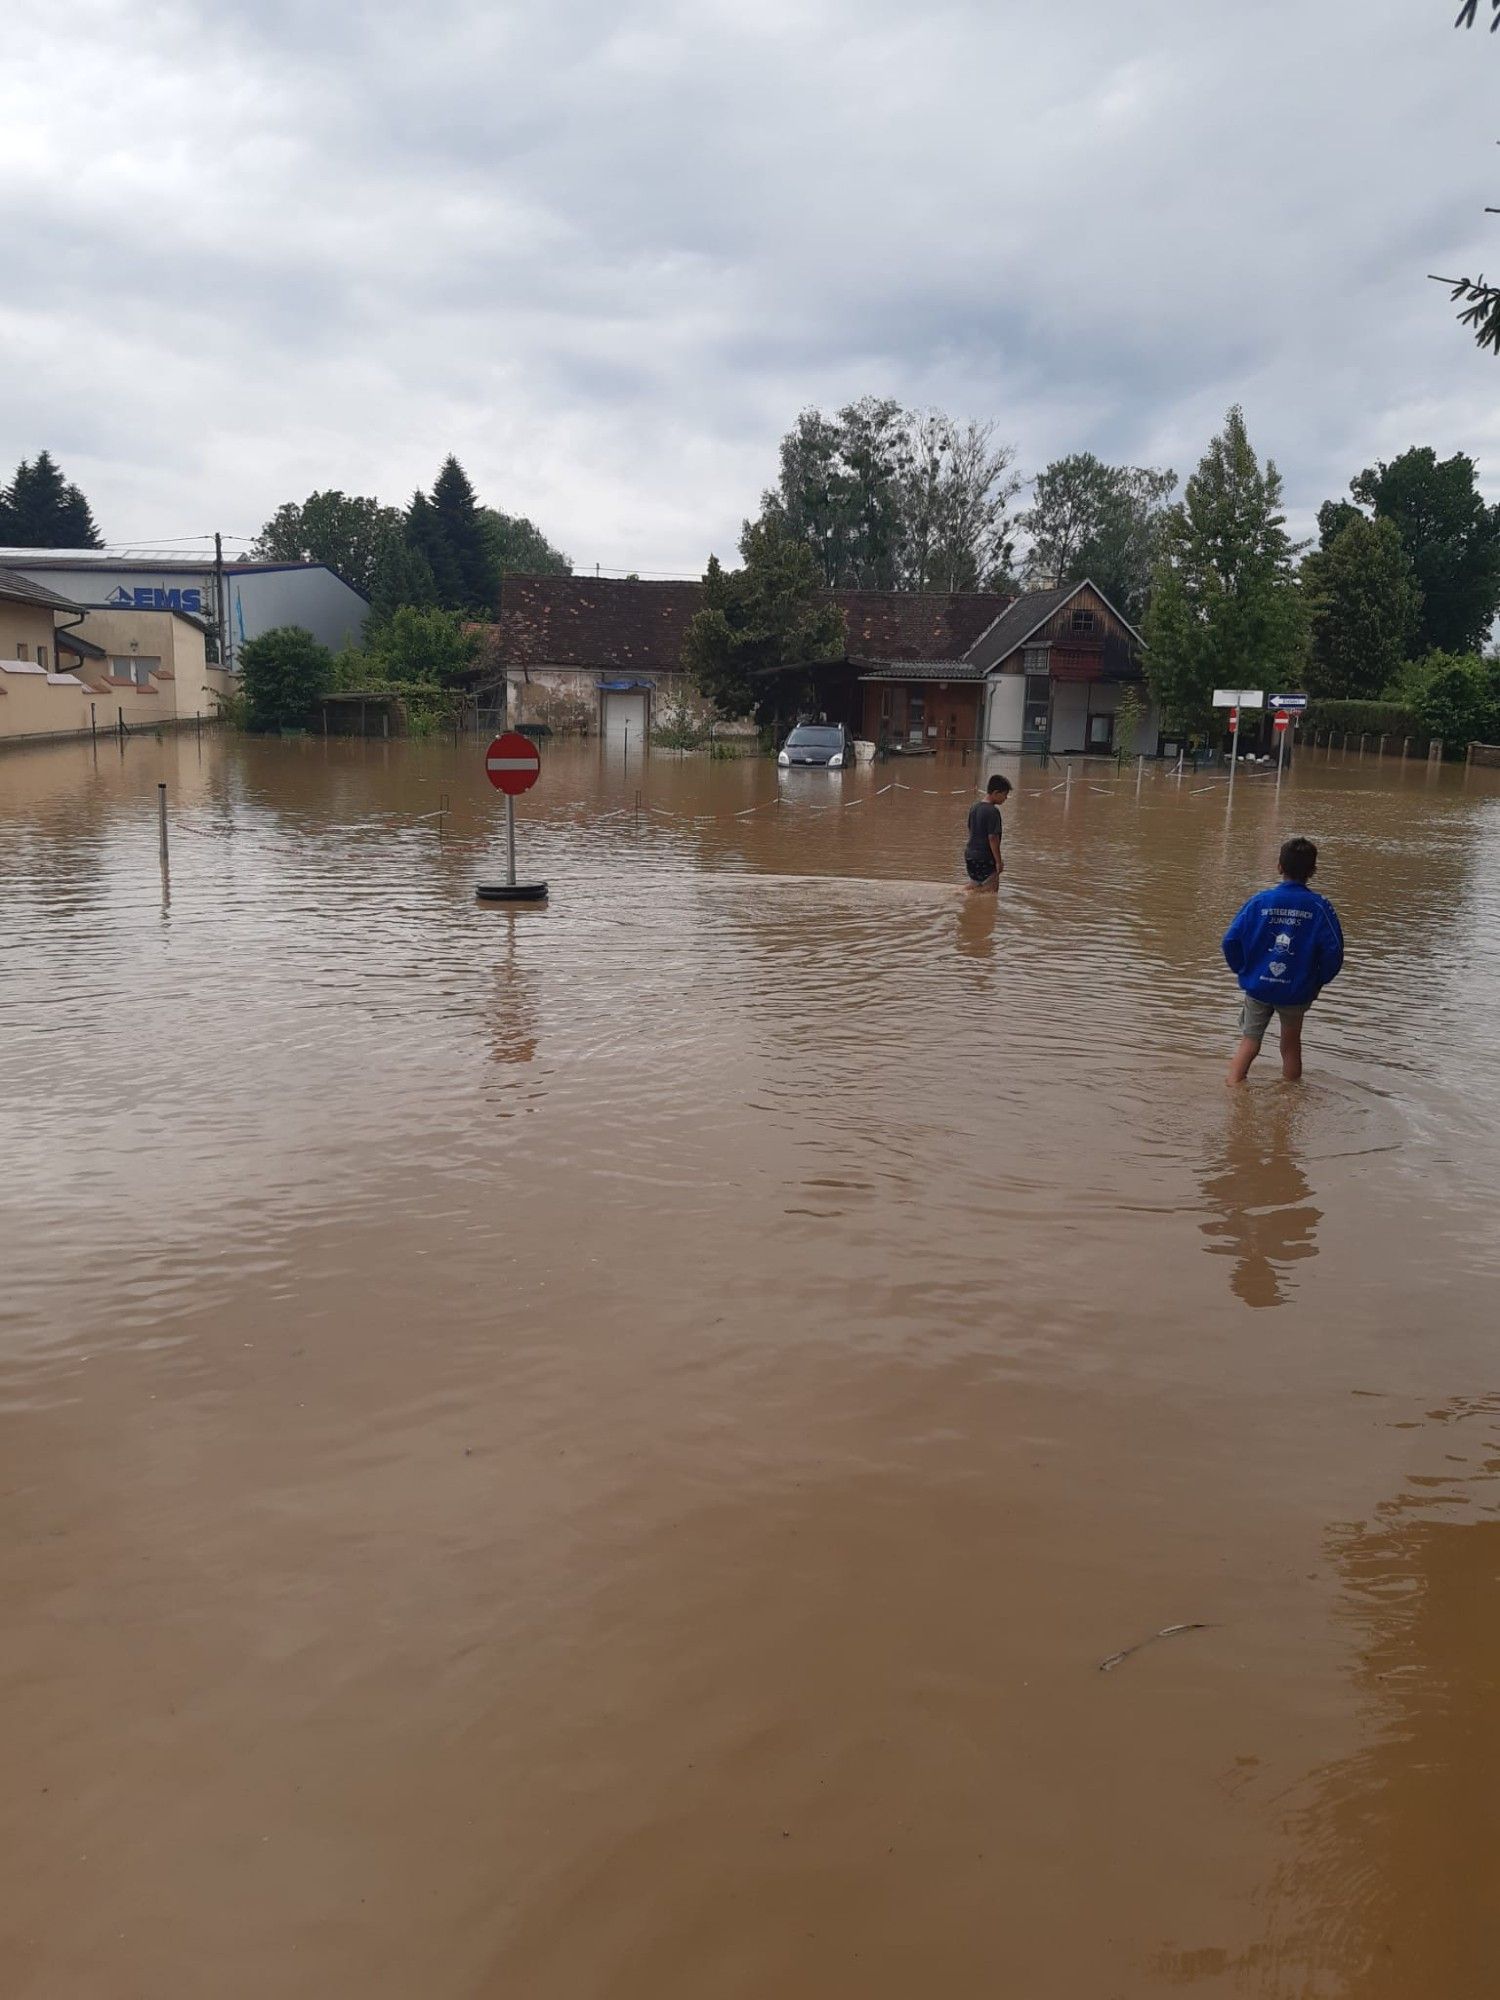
<point>982,855</point>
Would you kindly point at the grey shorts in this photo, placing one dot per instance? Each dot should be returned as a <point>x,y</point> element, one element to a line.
<point>1255,1017</point>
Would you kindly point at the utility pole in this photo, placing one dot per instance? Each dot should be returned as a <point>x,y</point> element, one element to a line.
<point>220,608</point>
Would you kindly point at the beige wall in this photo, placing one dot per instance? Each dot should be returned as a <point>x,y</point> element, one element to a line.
<point>568,697</point>
<point>183,689</point>
<point>23,628</point>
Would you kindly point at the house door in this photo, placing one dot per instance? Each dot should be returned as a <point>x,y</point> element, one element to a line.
<point>1036,719</point>
<point>625,718</point>
<point>916,717</point>
<point>1101,735</point>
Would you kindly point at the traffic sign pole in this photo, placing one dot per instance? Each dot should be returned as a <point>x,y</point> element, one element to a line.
<point>1234,748</point>
<point>512,764</point>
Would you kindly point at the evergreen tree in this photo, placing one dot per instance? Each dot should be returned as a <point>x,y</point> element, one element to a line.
<point>463,532</point>
<point>402,575</point>
<point>425,534</point>
<point>1363,605</point>
<point>40,510</point>
<point>1226,610</point>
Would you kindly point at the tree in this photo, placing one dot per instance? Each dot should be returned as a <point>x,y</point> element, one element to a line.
<point>402,575</point>
<point>1104,522</point>
<point>423,647</point>
<point>347,531</point>
<point>456,511</point>
<point>425,535</point>
<point>518,545</point>
<point>283,672</point>
<point>40,510</point>
<point>1454,698</point>
<point>1452,538</point>
<point>893,499</point>
<point>1363,605</point>
<point>1226,610</point>
<point>759,624</point>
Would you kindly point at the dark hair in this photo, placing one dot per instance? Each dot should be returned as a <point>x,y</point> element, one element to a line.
<point>998,784</point>
<point>1299,858</point>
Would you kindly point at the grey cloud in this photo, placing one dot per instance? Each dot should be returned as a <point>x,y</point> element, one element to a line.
<point>606,252</point>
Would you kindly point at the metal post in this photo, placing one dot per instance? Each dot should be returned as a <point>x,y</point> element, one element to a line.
<point>1281,736</point>
<point>1234,746</point>
<point>93,725</point>
<point>161,822</point>
<point>1140,772</point>
<point>510,840</point>
<point>120,720</point>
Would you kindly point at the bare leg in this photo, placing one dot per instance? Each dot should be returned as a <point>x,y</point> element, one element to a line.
<point>1245,1052</point>
<point>1291,1051</point>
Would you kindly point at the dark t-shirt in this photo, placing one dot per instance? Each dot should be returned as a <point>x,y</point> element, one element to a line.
<point>984,820</point>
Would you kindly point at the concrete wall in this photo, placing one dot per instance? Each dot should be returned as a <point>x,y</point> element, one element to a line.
<point>567,698</point>
<point>186,684</point>
<point>1005,720</point>
<point>34,702</point>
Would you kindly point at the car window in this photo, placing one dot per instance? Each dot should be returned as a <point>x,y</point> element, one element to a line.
<point>815,737</point>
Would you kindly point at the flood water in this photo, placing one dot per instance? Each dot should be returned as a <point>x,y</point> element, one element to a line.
<point>596,1453</point>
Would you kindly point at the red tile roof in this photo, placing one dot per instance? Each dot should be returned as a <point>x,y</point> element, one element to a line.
<point>612,622</point>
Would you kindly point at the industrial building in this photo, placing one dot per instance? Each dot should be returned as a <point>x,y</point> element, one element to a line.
<point>238,598</point>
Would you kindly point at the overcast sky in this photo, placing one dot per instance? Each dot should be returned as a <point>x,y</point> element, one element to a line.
<point>606,252</point>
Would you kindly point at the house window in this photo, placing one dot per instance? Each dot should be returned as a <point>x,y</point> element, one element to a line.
<point>133,669</point>
<point>1083,621</point>
<point>41,656</point>
<point>1101,732</point>
<point>23,651</point>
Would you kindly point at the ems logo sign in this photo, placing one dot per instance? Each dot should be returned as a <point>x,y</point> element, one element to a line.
<point>149,599</point>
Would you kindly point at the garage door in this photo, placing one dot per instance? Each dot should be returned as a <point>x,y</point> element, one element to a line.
<point>625,717</point>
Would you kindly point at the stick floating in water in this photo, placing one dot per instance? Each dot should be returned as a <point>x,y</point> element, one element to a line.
<point>1166,1632</point>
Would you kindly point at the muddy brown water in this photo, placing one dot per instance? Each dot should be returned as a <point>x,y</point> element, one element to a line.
<point>598,1452</point>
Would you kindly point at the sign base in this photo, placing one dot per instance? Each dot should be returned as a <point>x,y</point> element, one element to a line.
<point>511,892</point>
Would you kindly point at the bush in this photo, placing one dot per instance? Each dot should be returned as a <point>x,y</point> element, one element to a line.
<point>1455,699</point>
<point>422,648</point>
<point>283,673</point>
<point>1364,718</point>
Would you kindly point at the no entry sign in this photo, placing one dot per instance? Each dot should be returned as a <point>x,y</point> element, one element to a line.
<point>512,764</point>
<point>1281,721</point>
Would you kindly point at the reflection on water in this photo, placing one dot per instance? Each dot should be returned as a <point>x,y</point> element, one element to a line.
<point>1256,1187</point>
<point>597,1451</point>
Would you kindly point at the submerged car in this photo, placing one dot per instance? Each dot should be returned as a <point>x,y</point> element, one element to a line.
<point>821,743</point>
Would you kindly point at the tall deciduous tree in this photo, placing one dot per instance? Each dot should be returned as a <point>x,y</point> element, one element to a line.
<point>518,545</point>
<point>1089,519</point>
<point>456,512</point>
<point>1363,606</point>
<point>894,499</point>
<point>1452,538</point>
<point>1226,610</point>
<point>760,623</point>
<point>345,530</point>
<point>42,510</point>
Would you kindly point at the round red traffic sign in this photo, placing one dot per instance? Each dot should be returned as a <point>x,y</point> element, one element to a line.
<point>1281,720</point>
<point>512,763</point>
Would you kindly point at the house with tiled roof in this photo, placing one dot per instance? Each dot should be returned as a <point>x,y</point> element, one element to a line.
<point>941,671</point>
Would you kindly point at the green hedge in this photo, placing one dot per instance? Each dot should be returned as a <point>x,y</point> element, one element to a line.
<point>1364,718</point>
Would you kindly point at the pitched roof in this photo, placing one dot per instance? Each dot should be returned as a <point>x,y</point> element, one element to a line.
<point>621,623</point>
<point>889,625</point>
<point>21,590</point>
<point>1031,611</point>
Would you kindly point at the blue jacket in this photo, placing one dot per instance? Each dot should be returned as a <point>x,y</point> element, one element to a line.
<point>1285,945</point>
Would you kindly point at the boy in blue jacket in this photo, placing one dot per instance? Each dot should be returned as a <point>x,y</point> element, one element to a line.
<point>1284,946</point>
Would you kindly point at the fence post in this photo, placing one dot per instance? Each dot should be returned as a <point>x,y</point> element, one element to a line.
<point>1405,748</point>
<point>1435,751</point>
